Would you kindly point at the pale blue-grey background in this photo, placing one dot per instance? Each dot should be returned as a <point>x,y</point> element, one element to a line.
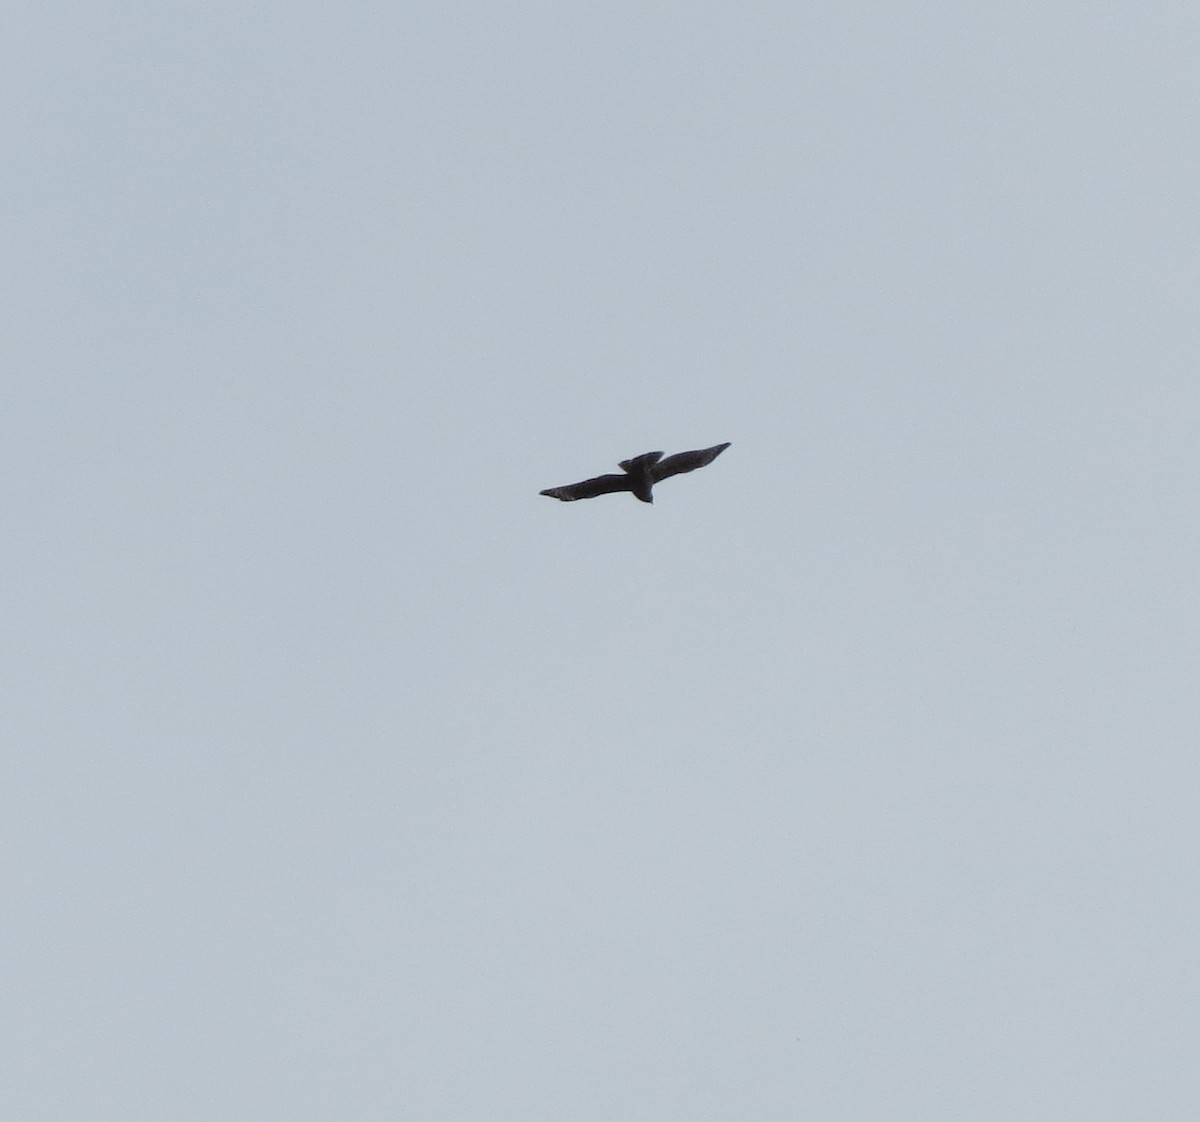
<point>344,777</point>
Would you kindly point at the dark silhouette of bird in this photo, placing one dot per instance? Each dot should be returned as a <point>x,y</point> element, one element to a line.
<point>638,475</point>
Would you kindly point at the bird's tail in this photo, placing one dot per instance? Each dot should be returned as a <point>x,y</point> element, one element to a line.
<point>640,463</point>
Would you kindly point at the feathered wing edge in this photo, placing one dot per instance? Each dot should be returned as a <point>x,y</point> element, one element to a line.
<point>590,488</point>
<point>686,461</point>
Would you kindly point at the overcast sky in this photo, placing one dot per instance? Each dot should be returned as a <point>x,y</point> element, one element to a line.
<point>345,777</point>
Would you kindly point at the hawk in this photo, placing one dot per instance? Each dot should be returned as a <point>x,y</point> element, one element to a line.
<point>640,475</point>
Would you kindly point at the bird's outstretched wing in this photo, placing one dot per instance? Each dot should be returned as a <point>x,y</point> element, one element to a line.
<point>590,488</point>
<point>686,461</point>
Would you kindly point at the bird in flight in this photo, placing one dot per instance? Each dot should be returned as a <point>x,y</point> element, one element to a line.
<point>638,475</point>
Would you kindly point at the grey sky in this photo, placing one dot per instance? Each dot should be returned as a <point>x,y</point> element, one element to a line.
<point>346,777</point>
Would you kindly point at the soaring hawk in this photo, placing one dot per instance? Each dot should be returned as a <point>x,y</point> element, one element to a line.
<point>639,475</point>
